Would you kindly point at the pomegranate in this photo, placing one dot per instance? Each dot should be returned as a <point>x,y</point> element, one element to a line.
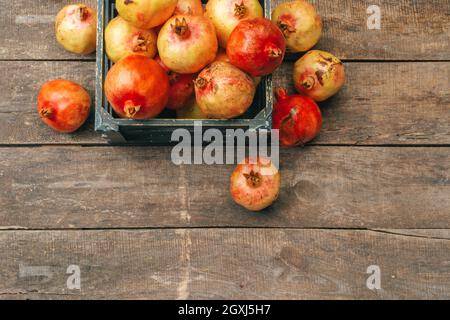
<point>223,91</point>
<point>297,117</point>
<point>137,87</point>
<point>76,28</point>
<point>193,7</point>
<point>191,111</point>
<point>146,14</point>
<point>255,185</point>
<point>256,46</point>
<point>63,105</point>
<point>222,56</point>
<point>226,14</point>
<point>319,75</point>
<point>181,90</point>
<point>122,39</point>
<point>187,43</point>
<point>300,24</point>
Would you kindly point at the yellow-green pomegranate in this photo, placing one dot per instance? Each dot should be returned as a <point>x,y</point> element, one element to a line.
<point>76,28</point>
<point>146,14</point>
<point>319,75</point>
<point>193,7</point>
<point>300,24</point>
<point>223,91</point>
<point>123,39</point>
<point>187,43</point>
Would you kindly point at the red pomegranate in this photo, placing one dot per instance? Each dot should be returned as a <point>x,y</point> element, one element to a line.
<point>76,28</point>
<point>187,43</point>
<point>226,14</point>
<point>297,117</point>
<point>137,87</point>
<point>256,46</point>
<point>255,185</point>
<point>63,105</point>
<point>300,23</point>
<point>181,90</point>
<point>319,75</point>
<point>223,91</point>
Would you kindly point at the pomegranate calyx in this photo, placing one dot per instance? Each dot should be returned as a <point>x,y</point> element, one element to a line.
<point>173,77</point>
<point>253,179</point>
<point>46,113</point>
<point>274,52</point>
<point>308,83</point>
<point>139,43</point>
<point>240,10</point>
<point>200,82</point>
<point>180,27</point>
<point>286,27</point>
<point>130,109</point>
<point>83,13</point>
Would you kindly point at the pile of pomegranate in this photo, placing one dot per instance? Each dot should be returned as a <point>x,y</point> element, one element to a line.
<point>202,62</point>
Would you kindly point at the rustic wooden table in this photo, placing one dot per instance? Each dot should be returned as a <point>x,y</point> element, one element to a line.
<point>373,189</point>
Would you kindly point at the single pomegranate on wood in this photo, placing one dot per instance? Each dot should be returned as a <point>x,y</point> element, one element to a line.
<point>122,39</point>
<point>76,28</point>
<point>297,117</point>
<point>223,91</point>
<point>255,185</point>
<point>300,24</point>
<point>63,105</point>
<point>137,87</point>
<point>319,75</point>
<point>193,7</point>
<point>226,14</point>
<point>146,14</point>
<point>256,46</point>
<point>187,43</point>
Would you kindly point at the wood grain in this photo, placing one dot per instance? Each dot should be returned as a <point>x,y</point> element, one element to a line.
<point>410,30</point>
<point>224,264</point>
<point>382,103</point>
<point>323,187</point>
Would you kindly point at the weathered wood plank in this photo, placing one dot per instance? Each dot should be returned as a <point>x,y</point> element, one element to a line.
<point>27,29</point>
<point>323,187</point>
<point>411,29</point>
<point>223,264</point>
<point>382,103</point>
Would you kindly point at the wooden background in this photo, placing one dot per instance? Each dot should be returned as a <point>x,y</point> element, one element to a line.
<point>373,189</point>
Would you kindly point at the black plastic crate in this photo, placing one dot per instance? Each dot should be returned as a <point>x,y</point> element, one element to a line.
<point>159,131</point>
